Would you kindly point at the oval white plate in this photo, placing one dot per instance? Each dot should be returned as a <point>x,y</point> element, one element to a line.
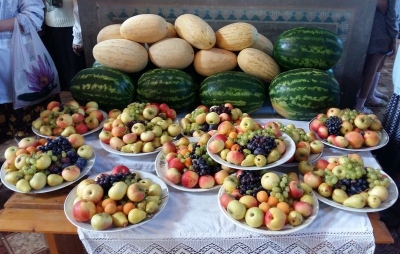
<point>263,229</point>
<point>392,198</point>
<point>290,149</point>
<point>161,170</point>
<point>109,149</point>
<point>105,115</point>
<point>69,203</point>
<point>313,158</point>
<point>47,188</point>
<point>382,143</point>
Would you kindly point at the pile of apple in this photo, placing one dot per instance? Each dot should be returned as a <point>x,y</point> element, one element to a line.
<point>121,205</point>
<point>264,210</point>
<point>180,168</point>
<point>202,120</point>
<point>229,137</point>
<point>357,129</point>
<point>28,168</point>
<point>306,142</point>
<point>71,118</point>
<point>345,180</point>
<point>140,127</point>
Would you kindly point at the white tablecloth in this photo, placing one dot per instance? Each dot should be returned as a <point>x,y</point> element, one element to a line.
<point>193,223</point>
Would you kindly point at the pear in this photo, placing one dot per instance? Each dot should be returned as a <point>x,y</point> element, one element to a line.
<point>273,156</point>
<point>54,179</point>
<point>183,141</point>
<point>154,190</point>
<point>38,181</point>
<point>152,198</point>
<point>355,201</point>
<point>339,195</point>
<point>380,192</point>
<point>23,185</point>
<point>204,138</point>
<point>373,201</point>
<point>126,148</point>
<point>151,207</point>
<point>13,177</point>
<point>118,190</point>
<point>136,215</point>
<point>119,219</point>
<point>248,161</point>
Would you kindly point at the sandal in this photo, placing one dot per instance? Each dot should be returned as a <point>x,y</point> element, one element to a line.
<point>379,104</point>
<point>382,96</point>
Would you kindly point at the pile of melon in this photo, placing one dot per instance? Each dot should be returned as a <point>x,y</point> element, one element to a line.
<point>146,42</point>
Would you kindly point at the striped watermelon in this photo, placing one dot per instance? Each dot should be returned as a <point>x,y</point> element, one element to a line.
<point>171,86</point>
<point>307,47</point>
<point>303,93</point>
<point>109,88</point>
<point>243,90</point>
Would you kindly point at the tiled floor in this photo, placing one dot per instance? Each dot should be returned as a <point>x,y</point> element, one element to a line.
<point>33,243</point>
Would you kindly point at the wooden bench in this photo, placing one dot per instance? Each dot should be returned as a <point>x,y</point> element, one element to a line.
<point>44,213</point>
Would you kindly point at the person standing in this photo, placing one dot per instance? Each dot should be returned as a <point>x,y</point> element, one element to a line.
<point>16,122</point>
<point>389,156</point>
<point>63,39</point>
<point>382,43</point>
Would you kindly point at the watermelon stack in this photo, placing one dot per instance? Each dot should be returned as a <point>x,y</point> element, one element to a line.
<point>308,87</point>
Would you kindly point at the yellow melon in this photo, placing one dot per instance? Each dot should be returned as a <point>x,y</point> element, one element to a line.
<point>236,36</point>
<point>195,30</point>
<point>145,28</point>
<point>258,63</point>
<point>109,32</point>
<point>173,53</point>
<point>210,61</point>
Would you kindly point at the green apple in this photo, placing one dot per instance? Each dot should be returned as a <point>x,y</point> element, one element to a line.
<point>230,183</point>
<point>236,209</point>
<point>254,217</point>
<point>85,151</point>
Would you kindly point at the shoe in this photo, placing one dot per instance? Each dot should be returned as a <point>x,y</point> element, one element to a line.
<point>379,104</point>
<point>382,96</point>
<point>365,110</point>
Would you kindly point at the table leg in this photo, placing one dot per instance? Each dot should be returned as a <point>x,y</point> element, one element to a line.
<point>51,243</point>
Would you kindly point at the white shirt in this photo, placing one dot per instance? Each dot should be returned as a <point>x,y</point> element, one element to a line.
<point>66,16</point>
<point>33,11</point>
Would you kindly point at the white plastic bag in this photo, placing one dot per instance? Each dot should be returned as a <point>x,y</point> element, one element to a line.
<point>35,77</point>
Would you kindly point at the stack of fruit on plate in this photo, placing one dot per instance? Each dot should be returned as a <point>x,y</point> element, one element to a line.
<point>116,199</point>
<point>347,181</point>
<point>247,144</point>
<point>348,128</point>
<point>64,120</point>
<point>37,164</point>
<point>203,119</point>
<point>307,143</point>
<point>188,164</point>
<point>139,128</point>
<point>267,199</point>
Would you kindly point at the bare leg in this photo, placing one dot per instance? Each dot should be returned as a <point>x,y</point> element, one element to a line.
<point>371,65</point>
<point>377,93</point>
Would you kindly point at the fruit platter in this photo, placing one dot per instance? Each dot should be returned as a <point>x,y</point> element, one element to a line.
<point>185,165</point>
<point>308,147</point>
<point>139,129</point>
<point>205,120</point>
<point>116,200</point>
<point>349,130</point>
<point>276,151</point>
<point>268,202</point>
<point>64,120</point>
<point>351,182</point>
<point>46,165</point>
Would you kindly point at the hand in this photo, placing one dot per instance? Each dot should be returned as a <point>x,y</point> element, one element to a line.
<point>77,49</point>
<point>382,6</point>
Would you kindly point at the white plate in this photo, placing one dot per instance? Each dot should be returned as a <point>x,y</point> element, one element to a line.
<point>105,115</point>
<point>109,149</point>
<point>47,188</point>
<point>382,143</point>
<point>161,170</point>
<point>287,229</point>
<point>313,158</point>
<point>69,203</point>
<point>392,198</point>
<point>290,149</point>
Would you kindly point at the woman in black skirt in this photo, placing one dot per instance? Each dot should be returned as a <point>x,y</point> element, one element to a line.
<point>389,155</point>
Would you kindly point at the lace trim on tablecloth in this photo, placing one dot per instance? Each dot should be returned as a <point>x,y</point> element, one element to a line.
<point>294,243</point>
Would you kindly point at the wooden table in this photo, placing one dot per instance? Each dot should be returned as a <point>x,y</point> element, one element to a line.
<point>44,213</point>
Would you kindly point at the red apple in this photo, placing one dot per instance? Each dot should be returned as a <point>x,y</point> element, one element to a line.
<point>189,179</point>
<point>225,128</point>
<point>312,179</point>
<point>295,189</point>
<point>119,169</point>
<point>81,128</point>
<point>225,198</point>
<point>83,210</point>
<point>323,132</point>
<point>371,138</point>
<point>176,163</point>
<point>355,139</point>
<point>163,108</point>
<point>171,113</point>
<point>315,124</point>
